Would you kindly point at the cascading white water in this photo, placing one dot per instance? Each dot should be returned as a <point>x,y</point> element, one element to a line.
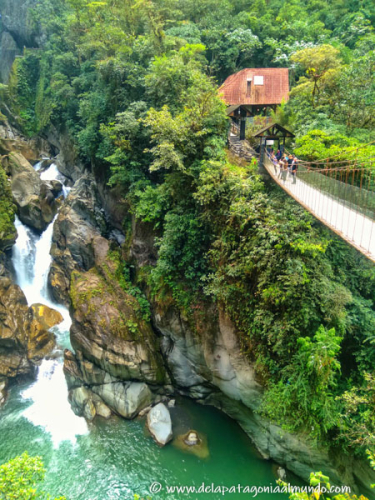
<point>51,173</point>
<point>31,260</point>
<point>38,165</point>
<point>66,191</point>
<point>23,256</point>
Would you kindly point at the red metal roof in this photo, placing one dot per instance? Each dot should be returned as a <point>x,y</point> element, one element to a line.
<point>275,87</point>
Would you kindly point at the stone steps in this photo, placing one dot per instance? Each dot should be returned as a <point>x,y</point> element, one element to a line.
<point>242,149</point>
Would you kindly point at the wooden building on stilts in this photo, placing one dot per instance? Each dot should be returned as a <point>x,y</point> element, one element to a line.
<point>252,91</point>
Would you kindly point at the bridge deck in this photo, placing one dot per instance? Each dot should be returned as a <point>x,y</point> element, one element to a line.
<point>349,224</point>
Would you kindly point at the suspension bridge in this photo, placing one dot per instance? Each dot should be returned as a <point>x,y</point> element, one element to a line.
<point>338,198</point>
<point>339,193</point>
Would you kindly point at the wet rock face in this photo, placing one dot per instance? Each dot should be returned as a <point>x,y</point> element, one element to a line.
<point>46,316</point>
<point>24,338</point>
<point>11,141</point>
<point>108,331</point>
<point>93,391</point>
<point>35,200</point>
<point>117,353</point>
<point>78,243</point>
<point>87,404</point>
<point>208,358</point>
<point>67,160</point>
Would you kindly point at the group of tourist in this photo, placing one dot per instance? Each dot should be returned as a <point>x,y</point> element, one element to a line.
<point>284,163</point>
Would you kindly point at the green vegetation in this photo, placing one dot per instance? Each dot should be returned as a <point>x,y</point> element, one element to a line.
<point>21,477</point>
<point>322,488</point>
<point>134,83</point>
<point>7,210</point>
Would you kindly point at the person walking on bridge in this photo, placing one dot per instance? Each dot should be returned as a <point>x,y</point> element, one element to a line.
<point>284,172</point>
<point>290,163</point>
<point>281,166</point>
<point>294,169</point>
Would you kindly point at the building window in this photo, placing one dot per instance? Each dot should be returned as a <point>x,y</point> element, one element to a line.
<point>248,88</point>
<point>258,80</point>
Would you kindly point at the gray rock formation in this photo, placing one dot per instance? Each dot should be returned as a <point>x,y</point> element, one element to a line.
<point>12,141</point>
<point>94,392</point>
<point>116,349</point>
<point>8,52</point>
<point>107,331</point>
<point>126,399</point>
<point>77,238</point>
<point>35,200</point>
<point>211,358</point>
<point>15,32</point>
<point>159,424</point>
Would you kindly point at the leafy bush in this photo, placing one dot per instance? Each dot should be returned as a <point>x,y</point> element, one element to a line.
<point>303,399</point>
<point>21,477</point>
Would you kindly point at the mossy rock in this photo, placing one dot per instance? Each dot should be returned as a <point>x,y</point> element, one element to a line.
<point>107,330</point>
<point>194,443</point>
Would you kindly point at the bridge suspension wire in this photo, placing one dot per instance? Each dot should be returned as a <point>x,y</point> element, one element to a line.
<point>341,198</point>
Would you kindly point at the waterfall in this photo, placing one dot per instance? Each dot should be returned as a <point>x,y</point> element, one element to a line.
<point>66,191</point>
<point>49,394</point>
<point>38,165</point>
<point>51,173</point>
<point>31,260</point>
<point>23,256</point>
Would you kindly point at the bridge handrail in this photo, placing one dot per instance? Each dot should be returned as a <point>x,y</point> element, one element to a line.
<point>358,198</point>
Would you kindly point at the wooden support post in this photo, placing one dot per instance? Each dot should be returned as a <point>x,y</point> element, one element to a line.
<point>243,129</point>
<point>261,156</point>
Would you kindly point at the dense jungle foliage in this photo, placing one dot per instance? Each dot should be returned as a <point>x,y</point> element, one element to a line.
<point>134,83</point>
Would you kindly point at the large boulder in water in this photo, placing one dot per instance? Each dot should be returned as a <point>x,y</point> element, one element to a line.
<point>46,316</point>
<point>126,399</point>
<point>193,443</point>
<point>159,424</point>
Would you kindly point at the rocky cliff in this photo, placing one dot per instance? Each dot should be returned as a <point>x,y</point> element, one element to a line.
<point>16,32</point>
